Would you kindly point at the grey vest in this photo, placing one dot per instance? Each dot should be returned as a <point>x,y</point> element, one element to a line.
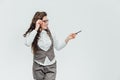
<point>40,54</point>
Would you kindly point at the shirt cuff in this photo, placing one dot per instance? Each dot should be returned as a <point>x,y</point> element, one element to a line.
<point>34,32</point>
<point>64,43</point>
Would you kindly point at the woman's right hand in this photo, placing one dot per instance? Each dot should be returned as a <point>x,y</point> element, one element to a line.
<point>38,23</point>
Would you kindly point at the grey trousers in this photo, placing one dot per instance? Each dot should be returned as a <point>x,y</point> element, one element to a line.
<point>41,72</point>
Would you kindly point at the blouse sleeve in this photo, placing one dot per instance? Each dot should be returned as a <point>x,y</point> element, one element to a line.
<point>58,45</point>
<point>30,37</point>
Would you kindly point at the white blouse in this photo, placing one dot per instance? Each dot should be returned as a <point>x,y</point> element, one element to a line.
<point>44,43</point>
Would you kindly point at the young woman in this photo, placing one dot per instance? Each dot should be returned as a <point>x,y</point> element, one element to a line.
<point>42,43</point>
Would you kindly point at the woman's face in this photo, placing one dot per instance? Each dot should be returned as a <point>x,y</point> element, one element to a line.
<point>44,24</point>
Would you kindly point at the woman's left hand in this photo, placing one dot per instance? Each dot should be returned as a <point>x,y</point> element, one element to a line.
<point>71,36</point>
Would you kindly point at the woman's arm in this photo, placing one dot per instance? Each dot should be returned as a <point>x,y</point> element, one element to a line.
<point>61,44</point>
<point>58,45</point>
<point>29,38</point>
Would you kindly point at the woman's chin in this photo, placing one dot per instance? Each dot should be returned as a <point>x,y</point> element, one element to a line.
<point>46,28</point>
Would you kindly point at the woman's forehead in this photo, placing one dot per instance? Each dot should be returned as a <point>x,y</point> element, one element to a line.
<point>45,18</point>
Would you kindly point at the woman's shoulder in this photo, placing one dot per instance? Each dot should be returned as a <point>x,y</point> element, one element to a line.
<point>53,32</point>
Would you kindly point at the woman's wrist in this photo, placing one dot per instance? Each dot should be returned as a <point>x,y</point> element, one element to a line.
<point>36,29</point>
<point>67,40</point>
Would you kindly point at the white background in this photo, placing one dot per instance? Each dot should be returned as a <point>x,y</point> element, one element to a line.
<point>93,55</point>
